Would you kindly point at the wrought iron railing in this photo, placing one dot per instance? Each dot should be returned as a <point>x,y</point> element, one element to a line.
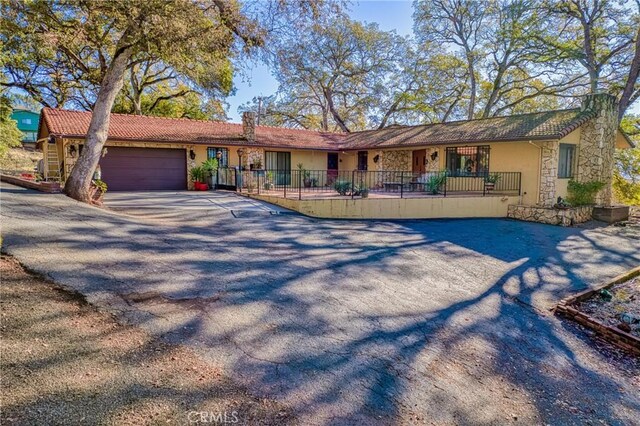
<point>357,183</point>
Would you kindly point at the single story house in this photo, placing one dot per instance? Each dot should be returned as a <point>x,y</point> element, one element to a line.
<point>545,149</point>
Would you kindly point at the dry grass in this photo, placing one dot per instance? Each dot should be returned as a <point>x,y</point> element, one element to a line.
<point>63,362</point>
<point>19,159</point>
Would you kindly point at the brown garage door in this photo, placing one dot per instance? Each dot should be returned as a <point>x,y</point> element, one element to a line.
<point>144,169</point>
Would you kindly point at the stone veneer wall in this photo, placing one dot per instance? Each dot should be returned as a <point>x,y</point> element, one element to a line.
<point>548,173</point>
<point>597,144</point>
<point>252,155</point>
<point>395,161</point>
<point>432,165</point>
<point>550,215</point>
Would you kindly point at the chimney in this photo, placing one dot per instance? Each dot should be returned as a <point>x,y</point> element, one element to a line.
<point>249,126</point>
<point>598,144</point>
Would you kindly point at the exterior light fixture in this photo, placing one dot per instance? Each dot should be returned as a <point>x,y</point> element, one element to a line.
<point>72,150</point>
<point>192,154</point>
<point>376,158</point>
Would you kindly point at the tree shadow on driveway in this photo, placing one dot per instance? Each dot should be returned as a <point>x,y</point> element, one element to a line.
<point>351,322</point>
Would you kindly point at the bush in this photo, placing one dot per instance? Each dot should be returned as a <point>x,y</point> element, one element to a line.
<point>342,187</point>
<point>361,191</point>
<point>197,174</point>
<point>210,166</point>
<point>100,185</point>
<point>583,193</point>
<point>434,182</point>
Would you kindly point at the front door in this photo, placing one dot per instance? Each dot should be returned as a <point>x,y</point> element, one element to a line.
<point>363,160</point>
<point>419,160</point>
<point>332,167</point>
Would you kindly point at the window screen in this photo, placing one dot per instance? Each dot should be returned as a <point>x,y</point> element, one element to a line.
<point>212,152</point>
<point>566,160</point>
<point>468,160</point>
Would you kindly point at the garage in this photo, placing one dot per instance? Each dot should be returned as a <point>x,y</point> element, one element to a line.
<point>144,169</point>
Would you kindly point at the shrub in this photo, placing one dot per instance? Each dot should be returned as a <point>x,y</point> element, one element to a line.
<point>582,193</point>
<point>361,190</point>
<point>100,185</point>
<point>342,187</point>
<point>492,178</point>
<point>434,182</point>
<point>210,166</point>
<point>196,173</point>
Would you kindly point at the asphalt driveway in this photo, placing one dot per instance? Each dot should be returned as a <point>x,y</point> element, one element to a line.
<point>180,205</point>
<point>351,322</point>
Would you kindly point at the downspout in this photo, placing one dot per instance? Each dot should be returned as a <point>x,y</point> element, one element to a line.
<point>539,176</point>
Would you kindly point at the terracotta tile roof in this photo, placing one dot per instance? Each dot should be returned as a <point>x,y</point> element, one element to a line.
<point>124,127</point>
<point>534,126</point>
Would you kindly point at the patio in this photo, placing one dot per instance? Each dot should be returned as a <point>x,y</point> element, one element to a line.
<point>304,184</point>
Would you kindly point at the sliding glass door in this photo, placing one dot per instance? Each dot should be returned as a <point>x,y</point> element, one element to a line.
<point>279,163</point>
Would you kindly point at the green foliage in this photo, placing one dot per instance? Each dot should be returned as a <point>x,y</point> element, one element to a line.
<point>197,174</point>
<point>626,176</point>
<point>10,136</point>
<point>188,44</point>
<point>100,185</point>
<point>361,190</point>
<point>210,166</point>
<point>493,178</point>
<point>342,187</point>
<point>583,193</point>
<point>434,182</point>
<point>306,174</point>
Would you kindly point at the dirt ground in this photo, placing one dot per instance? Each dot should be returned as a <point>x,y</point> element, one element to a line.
<point>63,362</point>
<point>625,299</point>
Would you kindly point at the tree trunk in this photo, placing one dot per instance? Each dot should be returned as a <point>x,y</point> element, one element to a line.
<point>79,181</point>
<point>472,81</point>
<point>388,114</point>
<point>497,83</point>
<point>136,94</point>
<point>328,93</point>
<point>632,78</point>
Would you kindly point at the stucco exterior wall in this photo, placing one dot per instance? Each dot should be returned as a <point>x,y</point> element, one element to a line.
<point>397,208</point>
<point>505,157</point>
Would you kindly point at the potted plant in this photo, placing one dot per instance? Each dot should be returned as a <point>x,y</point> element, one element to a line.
<point>268,184</point>
<point>197,176</point>
<point>342,187</point>
<point>96,191</point>
<point>306,176</point>
<point>209,169</point>
<point>434,182</point>
<point>361,190</point>
<point>490,181</point>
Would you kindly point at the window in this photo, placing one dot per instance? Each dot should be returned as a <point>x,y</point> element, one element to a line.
<point>280,165</point>
<point>468,160</point>
<point>362,160</point>
<point>224,155</point>
<point>26,121</point>
<point>566,160</point>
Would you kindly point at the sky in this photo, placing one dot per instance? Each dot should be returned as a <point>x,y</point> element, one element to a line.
<point>258,81</point>
<point>388,14</point>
